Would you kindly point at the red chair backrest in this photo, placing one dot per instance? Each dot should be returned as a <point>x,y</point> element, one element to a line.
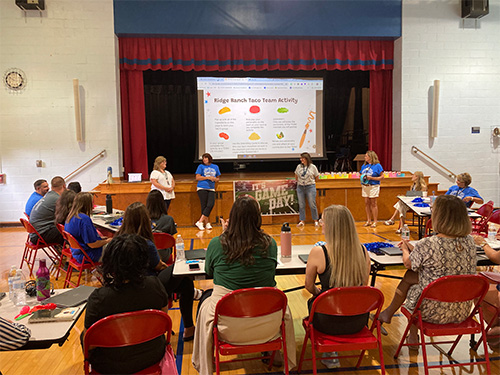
<point>29,228</point>
<point>486,209</point>
<point>455,288</point>
<point>127,329</point>
<point>60,228</point>
<point>251,302</point>
<point>495,217</point>
<point>347,301</point>
<point>74,244</point>
<point>165,241</point>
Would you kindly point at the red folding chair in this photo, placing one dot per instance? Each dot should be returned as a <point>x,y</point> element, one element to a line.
<point>127,329</point>
<point>166,241</point>
<point>31,249</point>
<point>65,252</point>
<point>495,218</point>
<point>347,301</point>
<point>428,228</point>
<point>87,263</point>
<point>249,303</point>
<point>480,225</point>
<point>455,288</point>
<point>494,310</point>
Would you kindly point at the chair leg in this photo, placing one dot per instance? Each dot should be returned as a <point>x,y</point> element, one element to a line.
<point>360,358</point>
<point>454,345</point>
<point>403,338</point>
<point>380,350</point>
<point>424,353</point>
<point>303,352</point>
<point>69,272</point>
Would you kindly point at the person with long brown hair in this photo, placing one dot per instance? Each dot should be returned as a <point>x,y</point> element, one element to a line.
<point>136,221</point>
<point>79,225</point>
<point>63,205</point>
<point>162,180</point>
<point>243,256</point>
<point>418,184</point>
<point>451,252</point>
<point>306,175</point>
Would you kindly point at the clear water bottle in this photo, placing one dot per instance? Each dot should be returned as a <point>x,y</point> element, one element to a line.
<point>12,275</point>
<point>179,245</point>
<point>433,198</point>
<point>492,232</point>
<point>19,288</point>
<point>405,233</point>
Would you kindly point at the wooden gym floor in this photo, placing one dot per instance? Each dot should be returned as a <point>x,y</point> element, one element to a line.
<point>68,359</point>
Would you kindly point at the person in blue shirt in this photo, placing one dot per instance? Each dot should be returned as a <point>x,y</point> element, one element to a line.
<point>41,188</point>
<point>207,175</point>
<point>463,191</point>
<point>79,225</point>
<point>371,175</point>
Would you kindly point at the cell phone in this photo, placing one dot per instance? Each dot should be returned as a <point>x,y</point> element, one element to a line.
<point>194,266</point>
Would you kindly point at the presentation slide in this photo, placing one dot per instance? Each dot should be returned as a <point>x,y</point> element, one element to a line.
<point>260,118</point>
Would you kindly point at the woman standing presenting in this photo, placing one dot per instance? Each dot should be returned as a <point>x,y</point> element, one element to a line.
<point>207,175</point>
<point>306,175</point>
<point>162,180</point>
<point>371,175</point>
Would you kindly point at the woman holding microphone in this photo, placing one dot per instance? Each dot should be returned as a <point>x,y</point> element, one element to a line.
<point>306,175</point>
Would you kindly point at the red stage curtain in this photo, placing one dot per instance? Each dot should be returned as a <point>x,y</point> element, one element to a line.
<point>133,123</point>
<point>139,54</point>
<point>381,116</point>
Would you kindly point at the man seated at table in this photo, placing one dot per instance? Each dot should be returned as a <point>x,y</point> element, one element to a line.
<point>463,191</point>
<point>41,188</point>
<point>43,214</point>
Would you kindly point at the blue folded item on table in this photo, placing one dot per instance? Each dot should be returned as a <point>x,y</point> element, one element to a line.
<point>421,205</point>
<point>117,222</point>
<point>375,247</point>
<point>320,243</point>
<point>417,200</point>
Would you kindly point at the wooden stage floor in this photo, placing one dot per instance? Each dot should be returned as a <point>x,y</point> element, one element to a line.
<point>68,359</point>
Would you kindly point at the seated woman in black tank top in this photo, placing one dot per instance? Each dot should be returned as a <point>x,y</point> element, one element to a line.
<point>342,262</point>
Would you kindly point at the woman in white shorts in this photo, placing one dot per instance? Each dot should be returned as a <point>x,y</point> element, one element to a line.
<point>371,175</point>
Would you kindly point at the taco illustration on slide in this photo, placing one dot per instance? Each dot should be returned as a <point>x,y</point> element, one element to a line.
<point>224,110</point>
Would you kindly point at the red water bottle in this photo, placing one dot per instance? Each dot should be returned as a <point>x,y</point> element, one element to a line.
<point>286,241</point>
<point>42,281</point>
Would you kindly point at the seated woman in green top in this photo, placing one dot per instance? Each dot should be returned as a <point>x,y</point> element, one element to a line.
<point>243,256</point>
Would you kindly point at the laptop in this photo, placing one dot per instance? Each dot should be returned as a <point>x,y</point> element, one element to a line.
<point>392,251</point>
<point>304,257</point>
<point>195,254</point>
<point>72,297</point>
<point>414,193</point>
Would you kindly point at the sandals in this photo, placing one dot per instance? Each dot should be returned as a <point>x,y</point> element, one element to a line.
<point>383,331</point>
<point>374,225</point>
<point>367,224</point>
<point>389,222</point>
<point>398,231</point>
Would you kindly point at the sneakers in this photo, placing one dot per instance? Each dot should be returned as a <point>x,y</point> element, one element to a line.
<point>208,226</point>
<point>398,231</point>
<point>331,363</point>
<point>199,224</point>
<point>197,294</point>
<point>389,222</point>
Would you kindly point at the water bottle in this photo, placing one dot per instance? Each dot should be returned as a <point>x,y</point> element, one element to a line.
<point>109,178</point>
<point>12,275</point>
<point>179,245</point>
<point>109,204</point>
<point>433,198</point>
<point>19,288</point>
<point>42,281</point>
<point>405,233</point>
<point>286,241</point>
<point>492,232</point>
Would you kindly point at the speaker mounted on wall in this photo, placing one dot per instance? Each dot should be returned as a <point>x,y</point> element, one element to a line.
<point>475,8</point>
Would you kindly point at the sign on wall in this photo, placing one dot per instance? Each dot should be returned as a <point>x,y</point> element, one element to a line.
<point>276,197</point>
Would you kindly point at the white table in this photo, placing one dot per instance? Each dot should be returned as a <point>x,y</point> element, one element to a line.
<point>286,266</point>
<point>100,220</point>
<point>43,335</point>
<point>424,212</point>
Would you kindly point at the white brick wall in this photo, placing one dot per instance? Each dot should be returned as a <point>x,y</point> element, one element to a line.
<point>465,60</point>
<point>73,39</point>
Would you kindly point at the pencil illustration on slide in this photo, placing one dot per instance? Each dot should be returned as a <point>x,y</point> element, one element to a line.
<point>309,119</point>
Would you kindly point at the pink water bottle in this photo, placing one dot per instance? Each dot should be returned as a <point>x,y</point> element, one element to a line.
<point>42,281</point>
<point>286,241</point>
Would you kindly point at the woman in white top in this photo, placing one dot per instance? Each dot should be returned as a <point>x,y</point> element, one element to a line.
<point>162,180</point>
<point>306,175</point>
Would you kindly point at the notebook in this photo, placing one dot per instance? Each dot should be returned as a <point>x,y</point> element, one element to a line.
<point>56,315</point>
<point>72,297</point>
<point>304,257</point>
<point>391,251</point>
<point>195,254</point>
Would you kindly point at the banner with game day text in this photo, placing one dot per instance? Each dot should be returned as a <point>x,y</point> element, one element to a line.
<point>276,197</point>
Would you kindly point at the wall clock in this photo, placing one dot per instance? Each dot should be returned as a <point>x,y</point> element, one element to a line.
<point>15,79</point>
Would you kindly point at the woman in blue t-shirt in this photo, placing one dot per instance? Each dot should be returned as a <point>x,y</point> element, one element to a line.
<point>463,191</point>
<point>371,175</point>
<point>80,226</point>
<point>207,174</point>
